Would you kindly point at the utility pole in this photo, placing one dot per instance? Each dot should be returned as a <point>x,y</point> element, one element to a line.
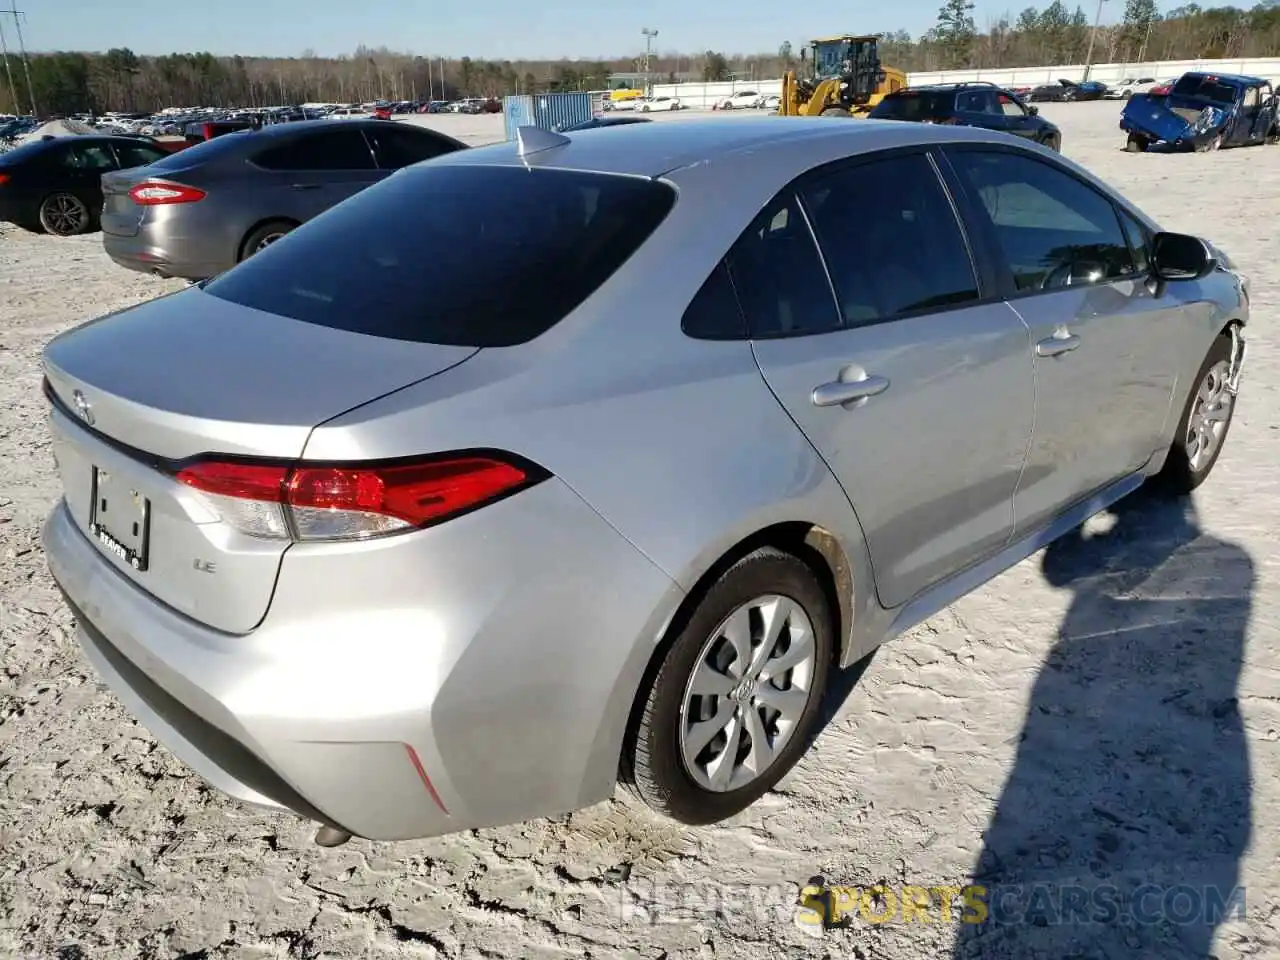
<point>13,89</point>
<point>1146,39</point>
<point>1088,57</point>
<point>18,16</point>
<point>648,56</point>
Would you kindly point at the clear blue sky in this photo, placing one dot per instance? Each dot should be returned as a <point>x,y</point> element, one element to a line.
<point>496,29</point>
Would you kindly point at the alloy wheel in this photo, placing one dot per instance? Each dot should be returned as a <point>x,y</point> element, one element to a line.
<point>748,691</point>
<point>64,215</point>
<point>268,240</point>
<point>1210,414</point>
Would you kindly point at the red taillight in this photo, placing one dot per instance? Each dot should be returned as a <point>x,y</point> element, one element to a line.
<point>4,178</point>
<point>352,501</point>
<point>151,194</point>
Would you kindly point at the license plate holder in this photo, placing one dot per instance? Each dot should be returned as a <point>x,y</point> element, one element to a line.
<point>120,519</point>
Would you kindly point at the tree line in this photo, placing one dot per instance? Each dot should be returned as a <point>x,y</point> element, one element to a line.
<point>121,80</point>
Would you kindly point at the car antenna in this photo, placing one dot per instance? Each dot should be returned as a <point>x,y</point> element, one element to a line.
<point>531,140</point>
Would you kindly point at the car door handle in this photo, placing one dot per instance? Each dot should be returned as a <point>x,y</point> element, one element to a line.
<point>1054,346</point>
<point>842,391</point>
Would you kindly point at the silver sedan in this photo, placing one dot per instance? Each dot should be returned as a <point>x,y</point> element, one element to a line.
<point>585,459</point>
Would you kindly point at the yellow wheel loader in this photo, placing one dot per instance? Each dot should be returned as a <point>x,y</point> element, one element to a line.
<point>839,77</point>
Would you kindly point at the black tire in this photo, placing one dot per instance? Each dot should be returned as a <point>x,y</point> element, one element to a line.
<point>64,214</point>
<point>834,112</point>
<point>264,233</point>
<point>1136,144</point>
<point>653,767</point>
<point>1052,141</point>
<point>1178,476</point>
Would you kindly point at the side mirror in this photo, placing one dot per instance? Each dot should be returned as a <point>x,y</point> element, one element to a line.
<point>1033,110</point>
<point>1179,256</point>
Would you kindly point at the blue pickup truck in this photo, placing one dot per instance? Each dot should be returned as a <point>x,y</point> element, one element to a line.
<point>1203,111</point>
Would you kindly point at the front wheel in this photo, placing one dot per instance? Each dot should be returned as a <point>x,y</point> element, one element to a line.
<point>1136,144</point>
<point>735,698</point>
<point>835,112</point>
<point>1202,429</point>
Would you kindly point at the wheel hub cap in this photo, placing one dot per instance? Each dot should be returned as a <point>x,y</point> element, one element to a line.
<point>1210,414</point>
<point>750,686</point>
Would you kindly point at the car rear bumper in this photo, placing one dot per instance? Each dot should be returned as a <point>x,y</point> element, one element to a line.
<point>497,689</point>
<point>141,253</point>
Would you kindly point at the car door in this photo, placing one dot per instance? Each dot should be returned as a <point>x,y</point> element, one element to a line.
<point>911,383</point>
<point>315,170</point>
<point>83,162</point>
<point>1104,373</point>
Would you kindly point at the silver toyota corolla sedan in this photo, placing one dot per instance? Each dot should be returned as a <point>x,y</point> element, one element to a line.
<point>585,459</point>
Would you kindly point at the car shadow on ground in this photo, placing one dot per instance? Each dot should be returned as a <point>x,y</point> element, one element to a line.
<point>1120,829</point>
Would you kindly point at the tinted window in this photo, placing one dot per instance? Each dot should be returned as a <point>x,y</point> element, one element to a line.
<point>1052,229</point>
<point>400,146</point>
<point>977,101</point>
<point>342,148</point>
<point>207,150</point>
<point>138,154</point>
<point>505,254</point>
<point>914,105</point>
<point>891,240</point>
<point>714,314</point>
<point>89,157</point>
<point>779,276</point>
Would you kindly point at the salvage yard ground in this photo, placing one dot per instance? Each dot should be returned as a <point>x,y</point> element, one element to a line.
<point>1118,700</point>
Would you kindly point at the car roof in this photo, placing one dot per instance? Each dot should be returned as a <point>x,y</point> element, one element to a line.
<point>1236,79</point>
<point>653,149</point>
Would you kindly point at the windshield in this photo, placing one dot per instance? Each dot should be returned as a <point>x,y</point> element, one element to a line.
<point>480,256</point>
<point>1196,87</point>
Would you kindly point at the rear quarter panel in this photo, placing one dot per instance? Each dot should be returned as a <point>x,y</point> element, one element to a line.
<point>677,443</point>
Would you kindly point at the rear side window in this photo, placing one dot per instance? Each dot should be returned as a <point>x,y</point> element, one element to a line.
<point>482,256</point>
<point>204,151</point>
<point>714,314</point>
<point>892,243</point>
<point>138,154</point>
<point>398,146</point>
<point>343,148</point>
<point>779,276</point>
<point>914,105</point>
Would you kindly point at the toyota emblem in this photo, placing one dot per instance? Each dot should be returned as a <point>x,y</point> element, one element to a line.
<point>83,407</point>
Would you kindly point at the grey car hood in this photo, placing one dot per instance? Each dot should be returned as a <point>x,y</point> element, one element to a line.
<point>190,373</point>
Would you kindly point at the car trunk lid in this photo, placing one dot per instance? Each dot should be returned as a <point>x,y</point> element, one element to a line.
<point>137,393</point>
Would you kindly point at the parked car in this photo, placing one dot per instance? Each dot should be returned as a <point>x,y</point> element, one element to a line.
<point>1068,90</point>
<point>1127,88</point>
<point>1203,112</point>
<point>54,185</point>
<point>742,100</point>
<point>1162,88</point>
<point>972,105</point>
<point>595,122</point>
<point>440,513</point>
<point>656,104</point>
<point>201,211</point>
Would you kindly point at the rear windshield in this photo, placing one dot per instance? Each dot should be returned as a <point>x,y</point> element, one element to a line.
<point>481,256</point>
<point>1204,88</point>
<point>914,105</point>
<point>201,152</point>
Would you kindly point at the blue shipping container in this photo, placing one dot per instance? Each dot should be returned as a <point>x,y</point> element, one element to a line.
<point>549,111</point>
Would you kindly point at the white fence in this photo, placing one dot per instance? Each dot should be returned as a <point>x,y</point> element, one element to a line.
<point>705,95</point>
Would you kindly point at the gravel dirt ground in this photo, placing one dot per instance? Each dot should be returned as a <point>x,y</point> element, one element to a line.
<point>1106,713</point>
